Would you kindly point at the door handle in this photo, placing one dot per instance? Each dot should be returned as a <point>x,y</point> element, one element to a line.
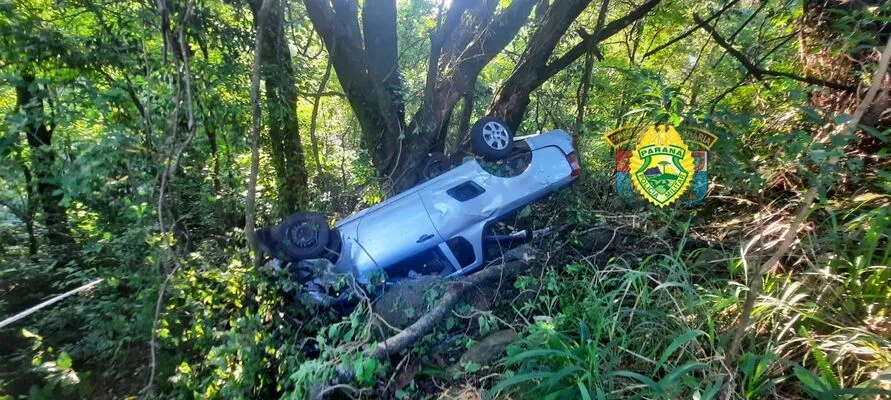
<point>424,238</point>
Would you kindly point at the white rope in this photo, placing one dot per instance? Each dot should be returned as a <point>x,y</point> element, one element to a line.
<point>49,302</point>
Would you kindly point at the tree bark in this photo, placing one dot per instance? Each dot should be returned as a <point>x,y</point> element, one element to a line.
<point>457,290</point>
<point>471,35</point>
<point>250,214</point>
<point>28,215</point>
<point>582,94</point>
<point>533,69</point>
<point>39,133</point>
<point>281,104</point>
<point>512,98</point>
<point>466,115</point>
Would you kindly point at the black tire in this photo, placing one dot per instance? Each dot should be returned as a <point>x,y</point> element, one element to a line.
<point>491,138</point>
<point>304,236</point>
<point>434,164</point>
<point>332,250</point>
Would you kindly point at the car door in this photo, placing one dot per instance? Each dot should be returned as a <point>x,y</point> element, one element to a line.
<point>459,207</point>
<point>464,200</point>
<point>397,231</point>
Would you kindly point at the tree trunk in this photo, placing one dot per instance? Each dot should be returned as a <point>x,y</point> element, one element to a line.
<point>583,91</point>
<point>512,98</point>
<point>466,115</point>
<point>470,35</point>
<point>29,211</point>
<point>29,99</point>
<point>533,69</point>
<point>281,105</point>
<point>467,37</point>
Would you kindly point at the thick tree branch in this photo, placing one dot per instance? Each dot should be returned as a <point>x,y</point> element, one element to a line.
<point>453,19</point>
<point>458,77</point>
<point>472,19</point>
<point>758,72</point>
<point>608,31</point>
<point>379,29</point>
<point>374,103</point>
<point>498,33</point>
<point>601,16</point>
<point>512,98</point>
<point>435,51</point>
<point>532,70</point>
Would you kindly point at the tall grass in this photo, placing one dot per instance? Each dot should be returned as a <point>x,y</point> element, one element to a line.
<point>614,336</point>
<point>658,329</point>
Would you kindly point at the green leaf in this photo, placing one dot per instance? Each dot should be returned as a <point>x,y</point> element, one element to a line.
<point>472,367</point>
<point>64,361</point>
<point>677,343</point>
<point>518,379</point>
<point>583,390</point>
<point>538,353</point>
<point>712,390</point>
<point>811,383</point>
<point>637,377</point>
<point>566,371</point>
<point>676,373</point>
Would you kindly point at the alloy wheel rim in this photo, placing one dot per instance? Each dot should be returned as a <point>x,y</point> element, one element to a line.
<point>495,135</point>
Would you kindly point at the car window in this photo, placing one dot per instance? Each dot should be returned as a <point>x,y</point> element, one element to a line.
<point>429,262</point>
<point>463,251</point>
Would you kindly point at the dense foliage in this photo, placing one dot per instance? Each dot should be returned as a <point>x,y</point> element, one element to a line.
<point>126,153</point>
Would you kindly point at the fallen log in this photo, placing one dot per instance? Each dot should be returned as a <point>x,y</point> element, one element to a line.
<point>414,332</point>
<point>455,292</point>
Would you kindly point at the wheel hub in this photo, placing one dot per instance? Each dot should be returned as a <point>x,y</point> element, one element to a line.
<point>304,235</point>
<point>496,135</point>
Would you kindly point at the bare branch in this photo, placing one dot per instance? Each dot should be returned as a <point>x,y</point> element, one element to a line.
<point>455,292</point>
<point>758,72</point>
<point>690,31</point>
<point>742,26</point>
<point>608,31</point>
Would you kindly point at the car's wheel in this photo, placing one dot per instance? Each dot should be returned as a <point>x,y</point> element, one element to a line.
<point>332,249</point>
<point>491,138</point>
<point>435,164</point>
<point>304,235</point>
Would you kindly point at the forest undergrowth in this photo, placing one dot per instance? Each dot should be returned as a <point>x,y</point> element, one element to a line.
<point>615,304</point>
<point>141,142</point>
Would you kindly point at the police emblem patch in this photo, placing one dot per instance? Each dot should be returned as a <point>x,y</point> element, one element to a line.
<point>659,165</point>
